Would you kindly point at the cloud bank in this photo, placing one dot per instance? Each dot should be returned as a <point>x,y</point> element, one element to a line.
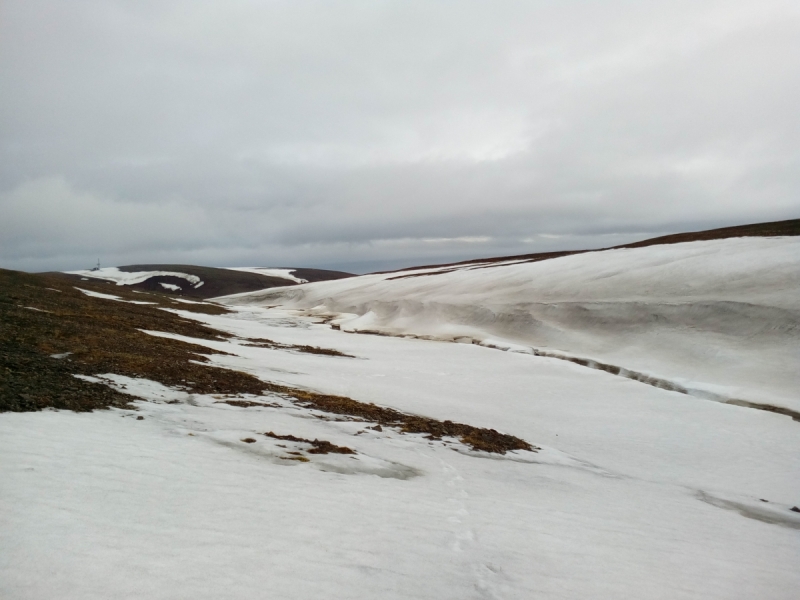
<point>368,135</point>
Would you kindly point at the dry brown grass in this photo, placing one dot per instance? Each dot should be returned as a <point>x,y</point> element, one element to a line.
<point>478,438</point>
<point>266,343</point>
<point>317,446</point>
<point>42,315</point>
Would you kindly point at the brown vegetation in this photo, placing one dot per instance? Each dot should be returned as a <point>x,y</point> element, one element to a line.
<point>44,315</point>
<point>265,343</point>
<point>317,446</point>
<point>487,440</point>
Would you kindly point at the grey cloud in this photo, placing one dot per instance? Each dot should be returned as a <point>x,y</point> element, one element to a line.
<point>337,134</point>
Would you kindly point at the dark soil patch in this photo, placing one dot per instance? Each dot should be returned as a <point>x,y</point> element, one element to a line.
<point>265,343</point>
<point>318,446</point>
<point>248,404</point>
<point>487,440</point>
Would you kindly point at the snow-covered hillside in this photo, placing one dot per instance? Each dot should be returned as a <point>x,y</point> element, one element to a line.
<point>188,280</point>
<point>636,492</point>
<point>630,490</point>
<point>203,282</point>
<point>131,278</point>
<point>719,319</point>
<point>271,272</point>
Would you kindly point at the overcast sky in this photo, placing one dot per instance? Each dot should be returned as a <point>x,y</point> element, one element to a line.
<point>380,134</point>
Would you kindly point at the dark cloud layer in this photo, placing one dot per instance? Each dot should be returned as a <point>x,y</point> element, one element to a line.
<point>369,135</point>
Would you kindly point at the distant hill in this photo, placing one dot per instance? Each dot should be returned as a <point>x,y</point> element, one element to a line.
<point>200,282</point>
<point>209,282</point>
<point>790,227</point>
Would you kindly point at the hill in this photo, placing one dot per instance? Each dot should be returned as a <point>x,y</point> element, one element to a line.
<point>717,319</point>
<point>199,282</point>
<point>790,227</point>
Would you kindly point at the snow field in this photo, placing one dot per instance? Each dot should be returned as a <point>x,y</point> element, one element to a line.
<point>270,272</point>
<point>512,392</point>
<point>637,492</point>
<point>720,317</point>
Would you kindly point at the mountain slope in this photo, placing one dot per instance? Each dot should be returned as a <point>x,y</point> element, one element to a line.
<point>719,319</point>
<point>201,282</point>
<point>200,489</point>
<point>790,227</point>
<point>264,449</point>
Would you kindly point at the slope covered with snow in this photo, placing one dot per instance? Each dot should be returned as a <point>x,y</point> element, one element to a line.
<point>636,492</point>
<point>131,278</point>
<point>203,282</point>
<point>718,318</point>
<point>271,272</point>
<point>182,280</point>
<point>630,490</point>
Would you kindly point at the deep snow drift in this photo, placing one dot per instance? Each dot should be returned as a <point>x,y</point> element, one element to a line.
<point>719,318</point>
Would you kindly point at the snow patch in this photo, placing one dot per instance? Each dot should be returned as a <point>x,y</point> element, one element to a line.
<point>111,297</point>
<point>145,389</point>
<point>36,309</point>
<point>271,272</point>
<point>126,278</point>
